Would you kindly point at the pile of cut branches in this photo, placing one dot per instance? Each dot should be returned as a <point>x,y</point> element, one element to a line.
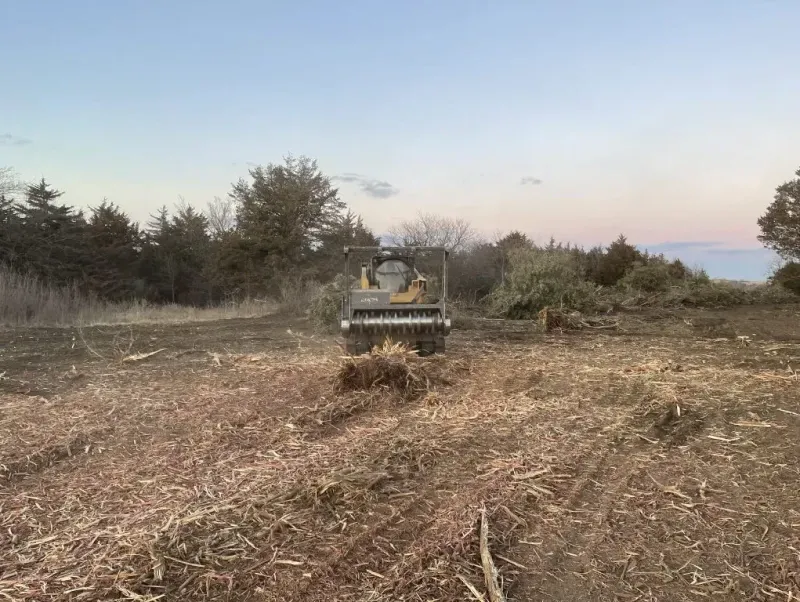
<point>391,366</point>
<point>551,319</point>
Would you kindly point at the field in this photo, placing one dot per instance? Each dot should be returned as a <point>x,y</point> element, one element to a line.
<point>241,460</point>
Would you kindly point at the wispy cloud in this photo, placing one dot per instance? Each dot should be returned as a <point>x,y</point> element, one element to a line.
<point>529,181</point>
<point>379,189</point>
<point>751,251</point>
<point>12,140</point>
<point>682,245</point>
<point>705,246</point>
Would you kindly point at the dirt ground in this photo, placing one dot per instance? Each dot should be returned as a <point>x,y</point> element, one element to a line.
<point>659,460</point>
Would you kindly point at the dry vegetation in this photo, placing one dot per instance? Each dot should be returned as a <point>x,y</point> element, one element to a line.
<point>653,460</point>
<point>27,301</point>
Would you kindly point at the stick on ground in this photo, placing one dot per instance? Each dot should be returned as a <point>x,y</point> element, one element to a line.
<point>489,569</point>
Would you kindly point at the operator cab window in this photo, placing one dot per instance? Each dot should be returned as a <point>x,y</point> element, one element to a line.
<point>393,275</point>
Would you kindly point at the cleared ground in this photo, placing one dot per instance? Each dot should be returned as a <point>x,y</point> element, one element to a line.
<point>656,461</point>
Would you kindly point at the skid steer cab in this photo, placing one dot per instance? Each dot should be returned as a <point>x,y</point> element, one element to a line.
<point>391,299</point>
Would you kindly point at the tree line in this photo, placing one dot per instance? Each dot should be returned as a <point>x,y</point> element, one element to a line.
<point>286,224</point>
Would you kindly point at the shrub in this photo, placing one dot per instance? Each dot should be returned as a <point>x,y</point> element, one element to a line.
<point>771,293</point>
<point>464,315</point>
<point>648,278</point>
<point>699,276</point>
<point>726,294</point>
<point>608,267</point>
<point>295,295</point>
<point>539,278</point>
<point>326,305</point>
<point>788,277</point>
<point>678,271</point>
<point>711,294</point>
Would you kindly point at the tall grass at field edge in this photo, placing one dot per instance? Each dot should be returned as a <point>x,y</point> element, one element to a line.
<point>27,301</point>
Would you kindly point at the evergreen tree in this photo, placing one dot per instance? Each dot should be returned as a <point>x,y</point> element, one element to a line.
<point>284,214</point>
<point>347,230</point>
<point>11,235</point>
<point>176,254</point>
<point>115,244</point>
<point>159,258</point>
<point>780,224</point>
<point>191,244</point>
<point>53,241</point>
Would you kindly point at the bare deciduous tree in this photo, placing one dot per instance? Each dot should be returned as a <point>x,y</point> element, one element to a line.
<point>10,184</point>
<point>429,229</point>
<point>221,215</point>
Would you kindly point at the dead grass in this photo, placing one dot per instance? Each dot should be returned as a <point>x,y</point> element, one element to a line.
<point>571,468</point>
<point>44,458</point>
<point>144,313</point>
<point>27,301</point>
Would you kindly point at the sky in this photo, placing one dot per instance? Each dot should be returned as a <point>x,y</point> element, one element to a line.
<point>670,121</point>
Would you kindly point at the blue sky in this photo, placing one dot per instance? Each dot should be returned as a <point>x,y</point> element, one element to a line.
<point>669,121</point>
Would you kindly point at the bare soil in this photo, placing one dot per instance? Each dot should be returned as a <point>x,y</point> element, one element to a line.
<point>225,461</point>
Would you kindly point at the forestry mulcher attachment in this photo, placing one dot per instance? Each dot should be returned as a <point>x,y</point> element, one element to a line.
<point>391,300</point>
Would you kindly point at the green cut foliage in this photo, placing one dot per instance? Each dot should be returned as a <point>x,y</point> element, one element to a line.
<point>648,278</point>
<point>539,278</point>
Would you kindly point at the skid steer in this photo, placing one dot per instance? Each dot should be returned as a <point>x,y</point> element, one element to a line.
<point>391,300</point>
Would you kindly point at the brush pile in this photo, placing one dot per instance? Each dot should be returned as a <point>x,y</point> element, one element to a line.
<point>561,319</point>
<point>393,367</point>
<point>555,319</point>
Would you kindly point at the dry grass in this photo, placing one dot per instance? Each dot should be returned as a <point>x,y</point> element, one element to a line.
<point>26,301</point>
<point>144,313</point>
<point>570,468</point>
